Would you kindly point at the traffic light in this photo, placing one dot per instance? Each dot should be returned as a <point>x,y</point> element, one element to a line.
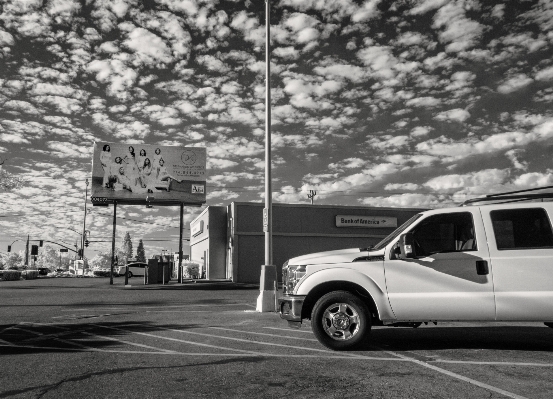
<point>86,242</point>
<point>41,243</point>
<point>34,250</point>
<point>9,248</point>
<point>80,253</point>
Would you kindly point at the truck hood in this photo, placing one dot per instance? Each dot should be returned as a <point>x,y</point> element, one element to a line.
<point>338,256</point>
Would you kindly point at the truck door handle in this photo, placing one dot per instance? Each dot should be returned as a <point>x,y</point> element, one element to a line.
<point>482,268</point>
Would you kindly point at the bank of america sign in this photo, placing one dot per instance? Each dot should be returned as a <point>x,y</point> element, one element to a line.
<point>370,222</point>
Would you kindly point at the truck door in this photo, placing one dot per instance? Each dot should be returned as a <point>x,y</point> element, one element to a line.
<point>450,276</point>
<point>521,252</point>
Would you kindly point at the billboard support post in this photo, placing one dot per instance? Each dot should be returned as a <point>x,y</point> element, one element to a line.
<point>113,242</point>
<point>180,242</point>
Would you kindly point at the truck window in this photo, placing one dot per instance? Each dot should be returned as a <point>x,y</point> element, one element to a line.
<point>396,232</point>
<point>522,228</point>
<point>451,232</point>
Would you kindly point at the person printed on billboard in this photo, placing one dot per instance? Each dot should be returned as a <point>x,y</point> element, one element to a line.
<point>148,176</point>
<point>123,181</point>
<point>131,170</point>
<point>105,160</point>
<point>163,174</point>
<point>140,159</point>
<point>155,161</point>
<point>114,171</point>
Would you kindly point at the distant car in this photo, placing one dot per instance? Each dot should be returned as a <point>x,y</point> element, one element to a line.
<point>136,269</point>
<point>43,271</point>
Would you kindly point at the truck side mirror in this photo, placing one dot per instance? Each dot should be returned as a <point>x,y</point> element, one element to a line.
<point>406,246</point>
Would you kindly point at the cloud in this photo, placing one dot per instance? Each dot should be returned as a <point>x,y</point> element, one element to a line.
<point>404,201</point>
<point>423,6</point>
<point>457,114</point>
<point>149,48</point>
<point>421,131</point>
<point>380,59</point>
<point>401,187</point>
<point>483,180</point>
<point>513,156</point>
<point>545,74</point>
<point>514,83</point>
<point>449,150</point>
<point>459,31</point>
<point>68,150</point>
<point>425,102</point>
<point>345,71</point>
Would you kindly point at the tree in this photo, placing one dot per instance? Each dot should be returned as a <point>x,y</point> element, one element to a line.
<point>140,252</point>
<point>48,257</point>
<point>7,180</point>
<point>126,248</point>
<point>14,259</point>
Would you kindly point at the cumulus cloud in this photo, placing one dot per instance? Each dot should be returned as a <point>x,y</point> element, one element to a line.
<point>514,83</point>
<point>457,115</point>
<point>460,32</point>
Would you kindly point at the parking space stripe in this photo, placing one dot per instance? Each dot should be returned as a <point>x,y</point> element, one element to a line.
<point>290,329</point>
<point>274,344</point>
<point>153,307</point>
<point>455,375</point>
<point>493,363</point>
<point>178,340</point>
<point>130,343</point>
<point>264,334</point>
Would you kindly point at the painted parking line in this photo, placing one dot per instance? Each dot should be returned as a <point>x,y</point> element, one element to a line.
<point>265,334</point>
<point>287,346</point>
<point>131,306</point>
<point>455,375</point>
<point>176,339</point>
<point>289,329</point>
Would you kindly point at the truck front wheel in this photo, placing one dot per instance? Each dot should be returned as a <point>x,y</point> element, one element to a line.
<point>340,320</point>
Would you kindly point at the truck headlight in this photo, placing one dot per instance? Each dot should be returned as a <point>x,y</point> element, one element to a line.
<point>291,275</point>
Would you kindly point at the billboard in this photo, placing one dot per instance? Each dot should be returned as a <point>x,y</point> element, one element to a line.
<point>128,173</point>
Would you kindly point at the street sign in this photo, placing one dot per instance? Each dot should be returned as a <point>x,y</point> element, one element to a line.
<point>64,250</point>
<point>265,220</point>
<point>371,222</point>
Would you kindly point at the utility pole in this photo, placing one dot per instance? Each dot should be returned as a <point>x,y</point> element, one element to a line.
<point>267,283</point>
<point>311,195</point>
<point>83,238</point>
<point>27,252</point>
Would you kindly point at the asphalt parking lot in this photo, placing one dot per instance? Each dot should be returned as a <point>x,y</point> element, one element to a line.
<point>67,338</point>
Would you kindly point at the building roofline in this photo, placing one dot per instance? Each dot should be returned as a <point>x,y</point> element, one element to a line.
<point>331,206</point>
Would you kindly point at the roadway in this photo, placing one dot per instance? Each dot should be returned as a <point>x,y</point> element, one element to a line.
<point>81,337</point>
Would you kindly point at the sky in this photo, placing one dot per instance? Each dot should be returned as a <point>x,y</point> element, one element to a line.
<point>406,103</point>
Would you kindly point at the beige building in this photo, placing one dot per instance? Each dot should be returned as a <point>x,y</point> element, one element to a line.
<point>229,241</point>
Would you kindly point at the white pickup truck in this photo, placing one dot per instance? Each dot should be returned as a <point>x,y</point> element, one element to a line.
<point>488,262</point>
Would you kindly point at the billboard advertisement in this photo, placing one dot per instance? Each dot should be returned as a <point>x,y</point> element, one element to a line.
<point>128,173</point>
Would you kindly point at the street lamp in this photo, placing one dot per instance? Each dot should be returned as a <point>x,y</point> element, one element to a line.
<point>268,278</point>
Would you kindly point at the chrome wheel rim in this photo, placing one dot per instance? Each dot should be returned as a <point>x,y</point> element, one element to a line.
<point>341,321</point>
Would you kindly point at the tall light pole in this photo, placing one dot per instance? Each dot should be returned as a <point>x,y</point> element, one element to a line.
<point>83,238</point>
<point>266,299</point>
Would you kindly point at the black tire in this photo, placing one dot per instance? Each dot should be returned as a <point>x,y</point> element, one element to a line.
<point>341,321</point>
<point>129,274</point>
<point>549,324</point>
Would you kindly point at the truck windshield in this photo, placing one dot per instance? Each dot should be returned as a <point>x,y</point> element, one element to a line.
<point>396,232</point>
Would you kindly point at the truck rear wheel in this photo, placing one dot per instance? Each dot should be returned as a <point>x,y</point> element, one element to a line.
<point>340,320</point>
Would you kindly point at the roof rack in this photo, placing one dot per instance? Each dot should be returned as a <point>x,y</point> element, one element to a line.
<point>512,196</point>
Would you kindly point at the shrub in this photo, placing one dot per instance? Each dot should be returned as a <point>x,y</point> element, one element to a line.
<point>190,269</point>
<point>101,273</point>
<point>11,275</point>
<point>30,274</point>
